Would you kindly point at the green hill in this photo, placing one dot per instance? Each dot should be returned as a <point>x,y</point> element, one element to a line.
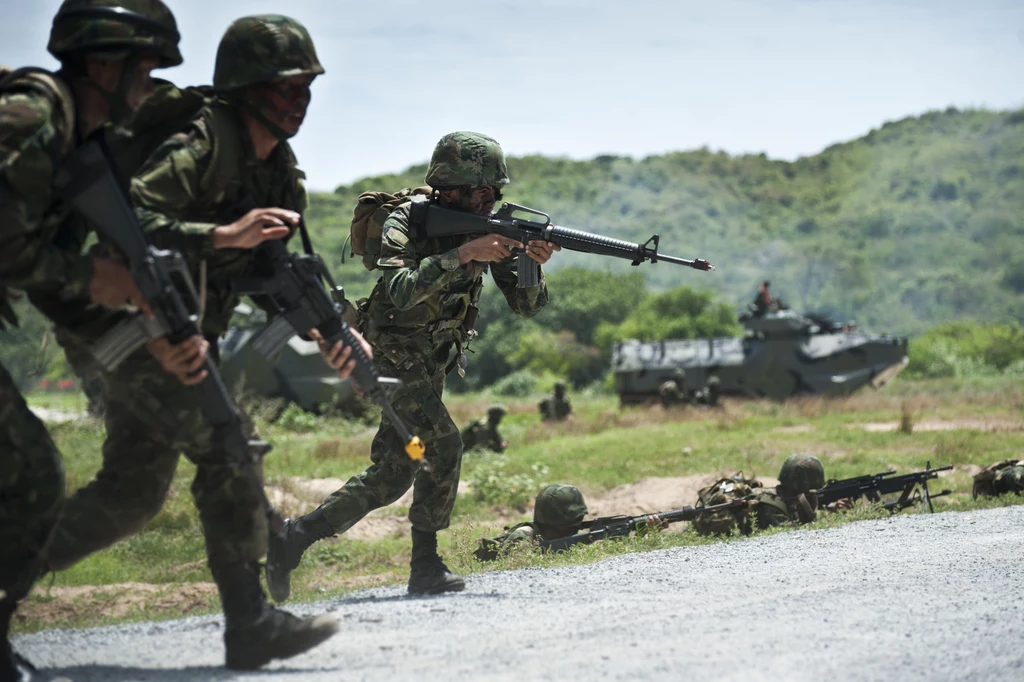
<point>917,222</point>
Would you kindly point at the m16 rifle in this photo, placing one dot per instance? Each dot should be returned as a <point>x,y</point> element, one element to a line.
<point>295,287</point>
<point>525,225</point>
<point>88,184</point>
<point>621,526</point>
<point>913,487</point>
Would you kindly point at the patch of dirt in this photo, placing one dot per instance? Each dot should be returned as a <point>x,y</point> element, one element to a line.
<point>52,605</point>
<point>649,495</point>
<point>296,495</point>
<point>999,425</point>
<point>796,428</point>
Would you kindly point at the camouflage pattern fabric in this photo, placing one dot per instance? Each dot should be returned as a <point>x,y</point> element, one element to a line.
<point>31,489</point>
<point>489,549</point>
<point>205,176</point>
<point>554,408</point>
<point>724,522</point>
<point>559,505</point>
<point>83,25</point>
<point>263,47</point>
<point>467,159</point>
<point>771,507</point>
<point>1000,478</point>
<point>151,418</point>
<point>420,309</point>
<point>671,393</point>
<point>484,435</point>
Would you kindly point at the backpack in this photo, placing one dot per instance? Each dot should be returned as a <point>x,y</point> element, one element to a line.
<point>724,521</point>
<point>372,209</point>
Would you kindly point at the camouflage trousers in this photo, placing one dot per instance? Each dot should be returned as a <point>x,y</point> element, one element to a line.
<point>418,402</point>
<point>151,419</point>
<point>31,490</point>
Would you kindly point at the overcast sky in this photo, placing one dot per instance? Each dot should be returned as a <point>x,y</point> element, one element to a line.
<point>579,78</point>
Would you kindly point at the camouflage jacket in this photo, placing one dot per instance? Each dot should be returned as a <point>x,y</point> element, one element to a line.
<point>425,299</point>
<point>488,549</point>
<point>205,176</point>
<point>553,408</point>
<point>482,434</point>
<point>40,239</point>
<point>773,509</point>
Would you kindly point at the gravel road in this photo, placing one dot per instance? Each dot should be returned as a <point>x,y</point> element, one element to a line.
<point>915,597</point>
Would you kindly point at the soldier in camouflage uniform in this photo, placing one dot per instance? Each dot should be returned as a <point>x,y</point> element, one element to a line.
<point>107,49</point>
<point>483,433</point>
<point>419,315</point>
<point>557,407</point>
<point>558,512</point>
<point>671,391</point>
<point>223,185</point>
<point>793,500</point>
<point>1000,478</point>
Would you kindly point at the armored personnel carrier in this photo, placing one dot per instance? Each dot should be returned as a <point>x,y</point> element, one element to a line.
<point>781,354</point>
<point>298,374</point>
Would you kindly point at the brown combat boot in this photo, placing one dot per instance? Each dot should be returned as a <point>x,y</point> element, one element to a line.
<point>428,574</point>
<point>255,633</point>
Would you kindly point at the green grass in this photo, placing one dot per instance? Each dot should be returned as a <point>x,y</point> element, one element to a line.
<point>602,447</point>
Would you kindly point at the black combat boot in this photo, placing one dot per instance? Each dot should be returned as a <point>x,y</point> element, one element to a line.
<point>428,574</point>
<point>13,668</point>
<point>255,632</point>
<point>284,551</point>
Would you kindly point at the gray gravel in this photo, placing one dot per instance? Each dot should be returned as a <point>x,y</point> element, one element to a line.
<point>914,597</point>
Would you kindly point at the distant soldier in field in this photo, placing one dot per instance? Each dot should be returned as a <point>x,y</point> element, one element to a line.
<point>792,501</point>
<point>556,407</point>
<point>483,433</point>
<point>709,394</point>
<point>558,512</point>
<point>671,391</point>
<point>1000,478</point>
<point>763,301</point>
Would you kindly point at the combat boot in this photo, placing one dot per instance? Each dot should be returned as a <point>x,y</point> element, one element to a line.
<point>428,574</point>
<point>284,551</point>
<point>255,632</point>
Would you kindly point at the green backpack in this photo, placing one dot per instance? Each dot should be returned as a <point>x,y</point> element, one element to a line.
<point>372,209</point>
<point>724,521</point>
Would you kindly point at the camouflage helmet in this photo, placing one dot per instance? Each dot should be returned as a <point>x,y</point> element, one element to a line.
<point>115,26</point>
<point>467,159</point>
<point>495,412</point>
<point>559,505</point>
<point>802,473</point>
<point>261,48</point>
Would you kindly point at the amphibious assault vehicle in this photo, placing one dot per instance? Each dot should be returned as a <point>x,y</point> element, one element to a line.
<point>781,354</point>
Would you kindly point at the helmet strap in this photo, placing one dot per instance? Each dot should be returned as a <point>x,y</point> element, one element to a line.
<point>274,129</point>
<point>117,101</point>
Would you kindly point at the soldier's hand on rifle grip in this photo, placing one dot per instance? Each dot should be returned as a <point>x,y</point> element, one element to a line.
<point>183,360</point>
<point>340,357</point>
<point>487,249</point>
<point>112,286</point>
<point>254,228</point>
<point>541,251</point>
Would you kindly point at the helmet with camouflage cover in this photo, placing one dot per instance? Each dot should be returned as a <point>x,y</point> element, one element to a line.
<point>467,159</point>
<point>559,505</point>
<point>496,412</point>
<point>113,26</point>
<point>261,48</point>
<point>802,473</point>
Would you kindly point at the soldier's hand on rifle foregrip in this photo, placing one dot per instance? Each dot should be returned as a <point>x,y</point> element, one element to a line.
<point>112,286</point>
<point>183,360</point>
<point>340,357</point>
<point>254,228</point>
<point>541,251</point>
<point>487,249</point>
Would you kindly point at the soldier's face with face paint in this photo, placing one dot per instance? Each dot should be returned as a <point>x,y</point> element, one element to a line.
<point>284,101</point>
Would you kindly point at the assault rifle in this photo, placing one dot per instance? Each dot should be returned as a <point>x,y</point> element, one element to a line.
<point>873,486</point>
<point>525,225</point>
<point>621,526</point>
<point>295,287</point>
<point>88,184</point>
